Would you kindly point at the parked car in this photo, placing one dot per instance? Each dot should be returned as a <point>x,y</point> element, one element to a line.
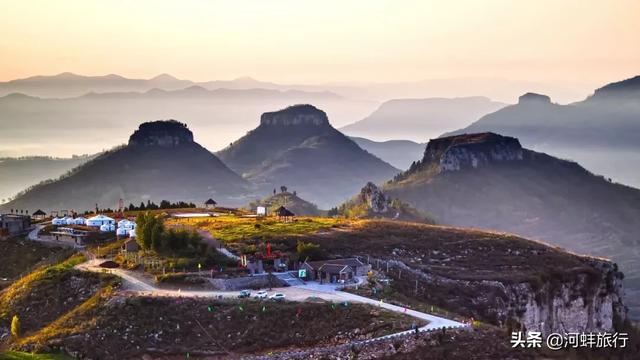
<point>261,294</point>
<point>244,294</point>
<point>277,297</point>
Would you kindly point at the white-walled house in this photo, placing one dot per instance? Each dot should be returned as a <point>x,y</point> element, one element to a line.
<point>100,220</point>
<point>107,228</point>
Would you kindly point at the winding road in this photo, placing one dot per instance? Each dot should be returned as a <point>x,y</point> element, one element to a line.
<point>136,283</point>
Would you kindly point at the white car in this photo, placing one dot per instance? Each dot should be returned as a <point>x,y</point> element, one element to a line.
<point>261,295</point>
<point>277,297</point>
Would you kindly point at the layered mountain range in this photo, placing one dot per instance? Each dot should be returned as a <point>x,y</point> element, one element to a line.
<point>421,119</point>
<point>601,132</point>
<point>490,181</point>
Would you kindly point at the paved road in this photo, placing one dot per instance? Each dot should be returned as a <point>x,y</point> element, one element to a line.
<point>136,283</point>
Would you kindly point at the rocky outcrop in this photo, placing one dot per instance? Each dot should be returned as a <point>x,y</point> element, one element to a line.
<point>296,115</point>
<point>455,153</point>
<point>167,134</point>
<point>374,198</point>
<point>581,302</point>
<point>533,98</point>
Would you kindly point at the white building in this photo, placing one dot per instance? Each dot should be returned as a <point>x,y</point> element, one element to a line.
<point>100,220</point>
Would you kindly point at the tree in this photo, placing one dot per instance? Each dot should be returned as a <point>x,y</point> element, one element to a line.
<point>333,212</point>
<point>149,229</point>
<point>308,250</point>
<point>283,188</point>
<point>15,326</point>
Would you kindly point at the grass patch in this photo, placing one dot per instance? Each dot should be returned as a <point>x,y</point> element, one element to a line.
<point>42,296</point>
<point>126,326</point>
<point>238,232</point>
<point>18,355</point>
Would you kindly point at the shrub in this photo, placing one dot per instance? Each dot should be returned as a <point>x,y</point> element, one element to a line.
<point>15,326</point>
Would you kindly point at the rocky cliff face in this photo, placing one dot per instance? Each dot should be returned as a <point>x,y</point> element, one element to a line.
<point>295,115</point>
<point>374,198</point>
<point>582,302</point>
<point>167,134</point>
<point>455,153</point>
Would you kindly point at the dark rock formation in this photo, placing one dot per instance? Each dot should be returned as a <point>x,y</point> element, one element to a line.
<point>374,198</point>
<point>296,115</point>
<point>169,133</point>
<point>534,98</point>
<point>475,150</point>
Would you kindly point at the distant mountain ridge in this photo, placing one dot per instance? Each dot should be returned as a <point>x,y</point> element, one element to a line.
<point>297,147</point>
<point>490,181</point>
<point>601,132</point>
<point>161,161</point>
<point>399,153</point>
<point>421,119</point>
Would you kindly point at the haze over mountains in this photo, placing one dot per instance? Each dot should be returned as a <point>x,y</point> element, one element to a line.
<point>399,153</point>
<point>490,181</point>
<point>601,132</point>
<point>297,147</point>
<point>160,161</point>
<point>97,121</point>
<point>18,173</point>
<point>421,119</point>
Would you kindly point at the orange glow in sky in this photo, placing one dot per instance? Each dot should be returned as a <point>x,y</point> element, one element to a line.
<point>323,41</point>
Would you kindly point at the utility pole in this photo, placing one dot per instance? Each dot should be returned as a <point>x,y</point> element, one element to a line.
<point>416,293</point>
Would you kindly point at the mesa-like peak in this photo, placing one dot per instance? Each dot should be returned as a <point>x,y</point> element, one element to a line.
<point>471,150</point>
<point>303,114</point>
<point>163,133</point>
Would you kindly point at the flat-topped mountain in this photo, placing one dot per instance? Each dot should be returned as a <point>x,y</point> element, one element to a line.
<point>298,147</point>
<point>167,134</point>
<point>601,132</point>
<point>490,181</point>
<point>161,161</point>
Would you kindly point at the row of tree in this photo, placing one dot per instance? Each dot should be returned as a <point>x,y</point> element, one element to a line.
<point>164,204</point>
<point>152,235</point>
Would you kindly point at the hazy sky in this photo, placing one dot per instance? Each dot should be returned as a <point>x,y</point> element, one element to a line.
<point>591,42</point>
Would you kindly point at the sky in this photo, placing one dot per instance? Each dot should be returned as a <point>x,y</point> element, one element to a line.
<point>577,42</point>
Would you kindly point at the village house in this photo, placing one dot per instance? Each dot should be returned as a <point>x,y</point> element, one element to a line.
<point>12,224</point>
<point>130,245</point>
<point>336,270</point>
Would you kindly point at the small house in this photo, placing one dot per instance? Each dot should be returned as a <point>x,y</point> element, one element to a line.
<point>321,271</point>
<point>284,214</point>
<point>12,224</point>
<point>99,220</point>
<point>210,204</point>
<point>39,215</point>
<point>130,246</point>
<point>332,273</point>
